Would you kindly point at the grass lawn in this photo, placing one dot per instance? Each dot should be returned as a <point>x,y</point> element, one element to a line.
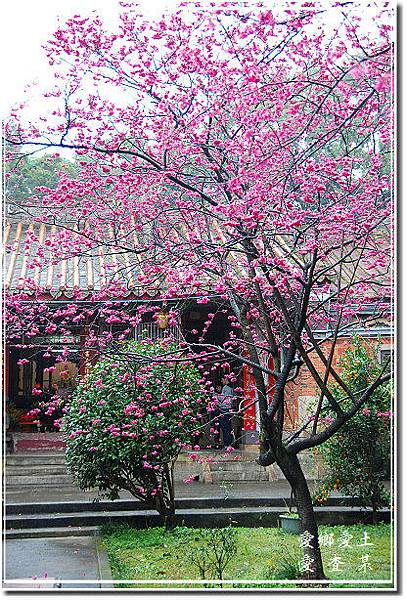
<point>263,554</point>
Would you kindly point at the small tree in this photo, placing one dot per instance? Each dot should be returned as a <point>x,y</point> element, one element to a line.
<point>128,420</point>
<point>218,549</point>
<point>358,455</point>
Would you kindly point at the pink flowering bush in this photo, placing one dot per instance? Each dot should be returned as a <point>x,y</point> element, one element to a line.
<point>128,420</point>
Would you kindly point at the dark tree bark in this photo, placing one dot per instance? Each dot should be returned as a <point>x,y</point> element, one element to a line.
<point>165,497</point>
<point>292,470</point>
<point>312,560</point>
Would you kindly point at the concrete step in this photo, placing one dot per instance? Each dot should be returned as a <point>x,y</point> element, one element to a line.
<point>132,505</point>
<point>181,503</point>
<point>50,532</point>
<point>218,456</point>
<point>232,476</point>
<point>32,470</point>
<point>18,475</point>
<point>199,517</point>
<point>51,479</point>
<point>235,465</point>
<point>237,471</point>
<point>40,458</point>
<point>17,482</point>
<point>76,519</point>
<point>63,487</point>
<point>28,480</point>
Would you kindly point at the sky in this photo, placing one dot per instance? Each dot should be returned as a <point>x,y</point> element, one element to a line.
<point>26,24</point>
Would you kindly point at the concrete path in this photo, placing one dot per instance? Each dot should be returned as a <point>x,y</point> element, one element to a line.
<point>63,562</point>
<point>267,489</point>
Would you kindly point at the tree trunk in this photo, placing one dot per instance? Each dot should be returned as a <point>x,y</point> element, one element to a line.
<point>312,560</point>
<point>374,516</point>
<point>166,509</point>
<point>165,497</point>
<point>374,503</point>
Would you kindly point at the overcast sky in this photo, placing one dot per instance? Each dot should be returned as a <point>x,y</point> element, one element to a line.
<point>26,24</point>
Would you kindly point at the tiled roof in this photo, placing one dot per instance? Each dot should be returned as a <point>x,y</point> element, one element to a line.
<point>59,274</point>
<point>94,268</point>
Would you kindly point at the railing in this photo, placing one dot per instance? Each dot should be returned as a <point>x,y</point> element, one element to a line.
<point>153,332</point>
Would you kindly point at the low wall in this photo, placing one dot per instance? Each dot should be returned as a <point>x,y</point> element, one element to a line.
<point>209,466</point>
<point>240,466</point>
<point>38,442</point>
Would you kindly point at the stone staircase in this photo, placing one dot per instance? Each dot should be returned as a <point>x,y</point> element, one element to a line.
<point>83,517</point>
<point>41,499</point>
<point>38,459</point>
<point>218,467</point>
<point>46,469</point>
<point>36,469</point>
<point>241,467</point>
<point>232,471</point>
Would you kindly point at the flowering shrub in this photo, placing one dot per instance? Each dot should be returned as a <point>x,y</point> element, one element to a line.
<point>358,456</point>
<point>48,410</point>
<point>128,420</point>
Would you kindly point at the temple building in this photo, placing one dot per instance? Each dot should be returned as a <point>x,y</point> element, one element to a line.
<point>32,369</point>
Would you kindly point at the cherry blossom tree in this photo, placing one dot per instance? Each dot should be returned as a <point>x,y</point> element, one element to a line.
<point>239,155</point>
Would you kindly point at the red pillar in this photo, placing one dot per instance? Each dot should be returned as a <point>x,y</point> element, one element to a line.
<point>249,395</point>
<point>249,399</point>
<point>6,373</point>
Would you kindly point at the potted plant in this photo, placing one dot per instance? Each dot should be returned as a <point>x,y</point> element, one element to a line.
<point>13,416</point>
<point>290,521</point>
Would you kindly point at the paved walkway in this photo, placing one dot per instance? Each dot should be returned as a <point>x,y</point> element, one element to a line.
<point>63,562</point>
<point>267,489</point>
<point>79,562</point>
